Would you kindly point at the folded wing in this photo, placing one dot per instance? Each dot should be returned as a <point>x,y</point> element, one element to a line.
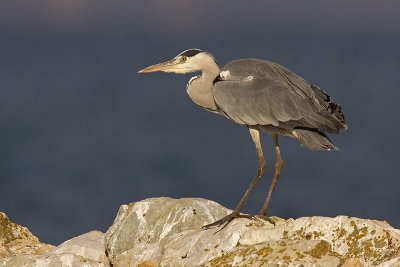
<point>258,100</point>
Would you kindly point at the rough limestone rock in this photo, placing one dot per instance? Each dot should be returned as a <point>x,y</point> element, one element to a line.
<point>391,263</point>
<point>167,232</point>
<point>10,231</point>
<point>85,250</point>
<point>18,240</point>
<point>142,225</point>
<point>89,246</point>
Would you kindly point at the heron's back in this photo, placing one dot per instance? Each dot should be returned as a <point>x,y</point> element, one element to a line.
<point>242,68</point>
<point>254,91</point>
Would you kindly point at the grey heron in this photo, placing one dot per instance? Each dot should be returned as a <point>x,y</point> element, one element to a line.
<point>260,95</point>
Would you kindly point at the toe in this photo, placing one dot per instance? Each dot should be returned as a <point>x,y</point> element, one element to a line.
<point>224,221</point>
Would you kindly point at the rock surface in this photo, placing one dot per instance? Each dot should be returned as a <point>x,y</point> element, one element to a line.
<point>17,240</point>
<point>168,232</point>
<point>84,250</point>
<point>141,226</point>
<point>10,231</point>
<point>174,237</point>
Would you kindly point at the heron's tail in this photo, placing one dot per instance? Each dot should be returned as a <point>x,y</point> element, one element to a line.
<point>313,139</point>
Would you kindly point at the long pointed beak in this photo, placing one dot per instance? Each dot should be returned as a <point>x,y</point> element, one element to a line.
<point>164,66</point>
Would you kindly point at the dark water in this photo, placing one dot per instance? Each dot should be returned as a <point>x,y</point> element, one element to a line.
<point>82,133</point>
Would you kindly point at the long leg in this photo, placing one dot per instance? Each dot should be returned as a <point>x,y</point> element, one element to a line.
<point>255,135</point>
<point>277,172</point>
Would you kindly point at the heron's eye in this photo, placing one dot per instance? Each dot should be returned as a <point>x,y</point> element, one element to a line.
<point>183,58</point>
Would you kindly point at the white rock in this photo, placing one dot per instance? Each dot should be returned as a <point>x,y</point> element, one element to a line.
<point>55,260</point>
<point>85,250</point>
<point>89,246</point>
<point>10,231</point>
<point>167,232</point>
<point>391,263</point>
<point>144,226</point>
<point>17,241</point>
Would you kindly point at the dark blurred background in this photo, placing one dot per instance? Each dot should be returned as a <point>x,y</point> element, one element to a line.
<point>81,133</point>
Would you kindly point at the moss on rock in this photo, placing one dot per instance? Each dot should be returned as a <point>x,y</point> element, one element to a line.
<point>10,231</point>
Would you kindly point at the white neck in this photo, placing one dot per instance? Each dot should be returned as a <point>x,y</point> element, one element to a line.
<point>199,88</point>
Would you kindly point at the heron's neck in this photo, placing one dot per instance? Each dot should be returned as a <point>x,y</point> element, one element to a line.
<point>199,88</point>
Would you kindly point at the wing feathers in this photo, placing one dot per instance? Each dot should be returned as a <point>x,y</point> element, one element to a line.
<point>263,101</point>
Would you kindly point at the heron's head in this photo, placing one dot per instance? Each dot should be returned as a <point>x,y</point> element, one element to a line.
<point>191,60</point>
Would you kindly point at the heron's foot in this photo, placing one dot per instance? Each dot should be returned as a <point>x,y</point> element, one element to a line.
<point>226,220</point>
<point>264,217</point>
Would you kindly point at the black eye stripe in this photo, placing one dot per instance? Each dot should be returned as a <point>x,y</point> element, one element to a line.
<point>190,52</point>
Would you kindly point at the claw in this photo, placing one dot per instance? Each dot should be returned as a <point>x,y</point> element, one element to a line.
<point>226,220</point>
<point>222,222</point>
<point>230,217</point>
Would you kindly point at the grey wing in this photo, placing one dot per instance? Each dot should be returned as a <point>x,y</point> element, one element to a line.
<point>263,101</point>
<point>258,68</point>
<point>242,68</point>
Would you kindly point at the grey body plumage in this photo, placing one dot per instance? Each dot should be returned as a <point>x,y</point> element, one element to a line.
<point>261,95</point>
<point>259,92</point>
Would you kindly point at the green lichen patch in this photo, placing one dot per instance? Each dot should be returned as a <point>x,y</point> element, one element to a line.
<point>302,234</point>
<point>287,259</point>
<point>340,232</point>
<point>299,234</point>
<point>356,249</point>
<point>308,253</point>
<point>368,245</point>
<point>299,255</point>
<point>285,234</point>
<point>320,250</point>
<point>10,231</point>
<point>317,234</point>
<point>380,242</point>
<point>264,251</point>
<point>247,253</point>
